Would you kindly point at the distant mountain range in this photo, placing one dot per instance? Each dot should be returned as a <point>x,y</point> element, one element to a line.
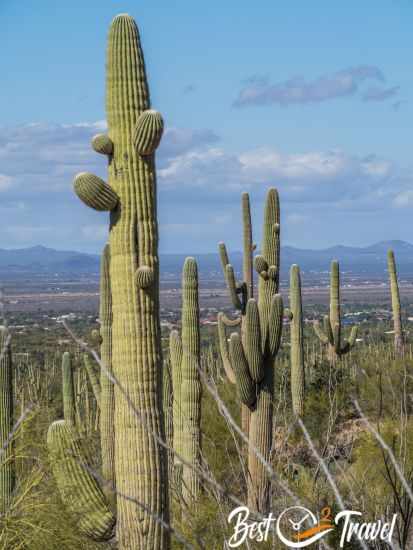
<point>368,260</point>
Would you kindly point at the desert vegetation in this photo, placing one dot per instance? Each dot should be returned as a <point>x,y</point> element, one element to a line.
<point>122,438</point>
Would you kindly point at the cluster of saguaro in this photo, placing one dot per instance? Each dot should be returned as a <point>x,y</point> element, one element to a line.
<point>7,472</point>
<point>251,357</point>
<point>330,335</point>
<point>395,302</point>
<point>296,342</point>
<point>134,132</point>
<point>78,488</point>
<point>240,293</point>
<point>185,362</point>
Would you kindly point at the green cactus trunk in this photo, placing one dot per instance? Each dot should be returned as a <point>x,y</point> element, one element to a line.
<point>296,343</point>
<point>107,396</point>
<point>134,132</point>
<point>186,360</point>
<point>79,490</point>
<point>68,390</point>
<point>7,472</point>
<point>395,302</point>
<point>252,356</point>
<point>168,416</point>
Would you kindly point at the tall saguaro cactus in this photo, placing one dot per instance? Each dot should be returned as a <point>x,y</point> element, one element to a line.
<point>296,336</point>
<point>185,360</point>
<point>240,293</point>
<point>7,472</point>
<point>252,357</point>
<point>134,132</point>
<point>331,335</point>
<point>395,302</point>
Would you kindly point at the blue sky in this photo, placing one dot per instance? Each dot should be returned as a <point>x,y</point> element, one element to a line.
<point>314,98</point>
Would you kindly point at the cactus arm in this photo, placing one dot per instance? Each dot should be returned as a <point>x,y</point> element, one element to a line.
<point>145,277</point>
<point>252,342</point>
<point>94,192</point>
<point>148,132</point>
<point>191,383</point>
<point>233,288</point>
<point>328,329</point>
<point>395,300</point>
<point>102,144</point>
<point>80,493</point>
<point>107,398</point>
<point>224,351</point>
<point>93,378</point>
<point>349,344</point>
<point>276,325</point>
<point>319,333</point>
<point>261,266</point>
<point>247,245</point>
<point>7,468</point>
<point>230,322</point>
<point>296,348</point>
<point>245,384</point>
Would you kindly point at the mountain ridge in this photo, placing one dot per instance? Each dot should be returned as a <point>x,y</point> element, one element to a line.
<point>40,259</point>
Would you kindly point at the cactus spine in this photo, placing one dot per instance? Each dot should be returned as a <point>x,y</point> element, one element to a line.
<point>395,302</point>
<point>107,396</point>
<point>240,294</point>
<point>189,394</point>
<point>134,130</point>
<point>69,405</point>
<point>79,490</point>
<point>7,473</point>
<point>296,336</point>
<point>331,335</point>
<point>252,356</point>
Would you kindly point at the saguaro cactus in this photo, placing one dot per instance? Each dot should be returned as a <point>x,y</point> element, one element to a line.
<point>252,357</point>
<point>93,378</point>
<point>240,294</point>
<point>68,390</point>
<point>7,473</point>
<point>331,335</point>
<point>107,394</point>
<point>296,341</point>
<point>79,490</point>
<point>134,131</point>
<point>168,415</point>
<point>395,302</point>
<point>187,350</point>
